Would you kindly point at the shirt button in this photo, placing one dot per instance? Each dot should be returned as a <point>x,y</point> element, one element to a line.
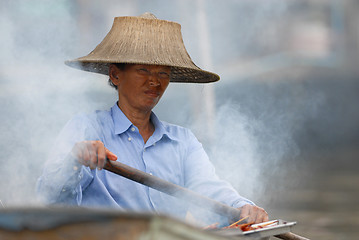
<point>133,129</point>
<point>150,173</point>
<point>129,139</point>
<point>75,168</point>
<point>64,190</point>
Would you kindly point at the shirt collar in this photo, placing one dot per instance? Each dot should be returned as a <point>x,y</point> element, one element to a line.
<point>122,124</point>
<point>120,120</point>
<point>160,129</point>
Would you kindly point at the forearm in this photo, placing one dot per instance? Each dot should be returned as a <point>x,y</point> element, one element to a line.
<point>59,182</point>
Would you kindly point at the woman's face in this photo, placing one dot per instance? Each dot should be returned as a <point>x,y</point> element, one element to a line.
<point>140,87</point>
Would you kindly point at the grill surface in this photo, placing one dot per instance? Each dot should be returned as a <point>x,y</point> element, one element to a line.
<point>80,223</point>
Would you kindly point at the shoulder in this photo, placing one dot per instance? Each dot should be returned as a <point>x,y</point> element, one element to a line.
<point>89,122</point>
<point>177,131</point>
<point>94,118</point>
<point>182,135</point>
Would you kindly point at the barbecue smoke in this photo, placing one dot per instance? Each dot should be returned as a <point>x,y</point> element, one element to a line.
<point>251,135</point>
<point>38,93</point>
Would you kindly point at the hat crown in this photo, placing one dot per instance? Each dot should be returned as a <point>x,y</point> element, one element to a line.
<point>144,40</point>
<point>148,15</point>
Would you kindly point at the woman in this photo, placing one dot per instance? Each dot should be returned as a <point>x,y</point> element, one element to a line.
<point>141,55</point>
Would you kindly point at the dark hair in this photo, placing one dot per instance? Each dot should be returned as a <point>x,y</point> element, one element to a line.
<point>120,66</point>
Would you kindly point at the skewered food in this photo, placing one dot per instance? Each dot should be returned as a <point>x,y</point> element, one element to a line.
<point>251,226</point>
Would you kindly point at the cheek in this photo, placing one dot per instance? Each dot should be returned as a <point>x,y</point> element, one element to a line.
<point>165,85</point>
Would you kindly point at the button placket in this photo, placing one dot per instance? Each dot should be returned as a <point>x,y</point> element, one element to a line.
<point>146,170</point>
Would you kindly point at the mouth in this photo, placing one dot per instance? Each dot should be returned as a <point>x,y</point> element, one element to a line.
<point>153,94</point>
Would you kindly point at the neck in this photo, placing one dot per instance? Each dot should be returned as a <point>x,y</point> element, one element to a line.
<point>141,119</point>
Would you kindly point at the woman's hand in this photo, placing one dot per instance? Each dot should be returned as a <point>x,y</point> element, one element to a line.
<point>92,154</point>
<point>255,214</point>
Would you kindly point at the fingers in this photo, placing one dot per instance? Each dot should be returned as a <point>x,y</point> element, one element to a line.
<point>250,212</point>
<point>101,157</point>
<point>92,154</point>
<point>255,214</point>
<point>111,156</point>
<point>92,151</point>
<point>245,211</point>
<point>263,216</point>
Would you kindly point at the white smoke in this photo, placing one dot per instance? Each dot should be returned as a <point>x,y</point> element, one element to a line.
<point>39,93</point>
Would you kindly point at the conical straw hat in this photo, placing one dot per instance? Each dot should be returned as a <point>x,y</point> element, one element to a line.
<point>144,40</point>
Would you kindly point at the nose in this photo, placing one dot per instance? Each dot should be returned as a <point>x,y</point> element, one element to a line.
<point>154,81</point>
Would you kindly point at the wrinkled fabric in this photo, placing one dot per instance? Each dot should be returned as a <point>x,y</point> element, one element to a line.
<point>172,153</point>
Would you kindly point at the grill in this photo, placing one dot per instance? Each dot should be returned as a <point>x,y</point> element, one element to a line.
<point>104,224</point>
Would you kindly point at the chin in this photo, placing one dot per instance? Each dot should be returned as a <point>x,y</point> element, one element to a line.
<point>148,107</point>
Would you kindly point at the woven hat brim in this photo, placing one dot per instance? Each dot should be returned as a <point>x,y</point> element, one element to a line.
<point>178,74</point>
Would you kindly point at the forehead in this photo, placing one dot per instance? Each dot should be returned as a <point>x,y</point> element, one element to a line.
<point>149,67</point>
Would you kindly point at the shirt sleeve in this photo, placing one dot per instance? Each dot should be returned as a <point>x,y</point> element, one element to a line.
<point>63,179</point>
<point>200,177</point>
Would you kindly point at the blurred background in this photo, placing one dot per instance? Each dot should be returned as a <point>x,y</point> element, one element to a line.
<point>282,124</point>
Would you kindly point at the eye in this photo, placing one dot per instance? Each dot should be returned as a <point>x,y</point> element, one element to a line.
<point>164,75</point>
<point>143,71</point>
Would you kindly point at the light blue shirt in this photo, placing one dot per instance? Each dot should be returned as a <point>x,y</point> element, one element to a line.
<point>172,153</point>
